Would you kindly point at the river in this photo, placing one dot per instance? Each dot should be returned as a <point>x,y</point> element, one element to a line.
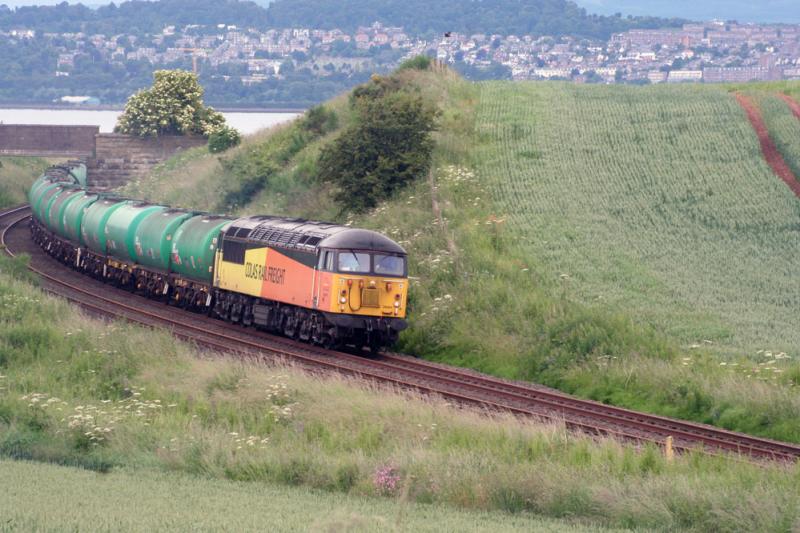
<point>245,122</point>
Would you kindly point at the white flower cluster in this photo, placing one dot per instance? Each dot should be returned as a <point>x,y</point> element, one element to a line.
<point>97,423</point>
<point>456,174</point>
<point>251,441</point>
<point>283,404</point>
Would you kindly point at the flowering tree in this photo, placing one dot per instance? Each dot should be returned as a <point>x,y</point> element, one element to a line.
<point>172,106</point>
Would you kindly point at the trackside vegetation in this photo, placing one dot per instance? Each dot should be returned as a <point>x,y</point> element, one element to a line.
<point>624,244</point>
<point>118,399</point>
<point>16,175</point>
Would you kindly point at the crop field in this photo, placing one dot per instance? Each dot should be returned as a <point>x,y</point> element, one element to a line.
<point>784,127</point>
<point>39,497</point>
<point>654,201</point>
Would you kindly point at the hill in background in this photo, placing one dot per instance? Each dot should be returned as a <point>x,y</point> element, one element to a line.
<point>784,11</point>
<point>545,17</point>
<point>522,17</point>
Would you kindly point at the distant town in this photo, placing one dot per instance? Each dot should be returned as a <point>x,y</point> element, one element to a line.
<point>708,52</point>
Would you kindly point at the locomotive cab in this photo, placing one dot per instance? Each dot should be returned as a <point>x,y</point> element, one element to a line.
<point>361,282</point>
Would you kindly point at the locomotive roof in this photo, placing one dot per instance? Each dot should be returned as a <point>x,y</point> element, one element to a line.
<point>307,235</point>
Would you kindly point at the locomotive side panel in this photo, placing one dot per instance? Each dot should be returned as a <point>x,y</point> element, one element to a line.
<point>265,272</point>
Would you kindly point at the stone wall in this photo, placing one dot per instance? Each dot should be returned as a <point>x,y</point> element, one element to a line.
<point>120,158</point>
<point>47,141</point>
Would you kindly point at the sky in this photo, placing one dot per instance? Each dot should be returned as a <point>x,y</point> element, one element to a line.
<point>741,10</point>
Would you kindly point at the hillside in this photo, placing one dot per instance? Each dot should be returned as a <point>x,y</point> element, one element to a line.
<point>546,17</point>
<point>520,17</point>
<point>781,11</point>
<point>625,244</point>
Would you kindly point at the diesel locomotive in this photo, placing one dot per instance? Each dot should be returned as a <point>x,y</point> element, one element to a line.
<point>317,282</point>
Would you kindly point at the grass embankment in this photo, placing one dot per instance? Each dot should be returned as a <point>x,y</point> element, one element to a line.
<point>80,392</point>
<point>16,176</point>
<point>625,244</point>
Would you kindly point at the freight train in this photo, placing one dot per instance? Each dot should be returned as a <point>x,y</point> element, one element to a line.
<point>317,282</point>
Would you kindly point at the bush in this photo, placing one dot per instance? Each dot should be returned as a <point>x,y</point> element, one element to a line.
<point>319,120</point>
<point>173,106</point>
<point>416,63</point>
<point>388,146</point>
<point>222,139</point>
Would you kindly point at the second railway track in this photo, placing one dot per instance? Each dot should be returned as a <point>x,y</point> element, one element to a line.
<point>459,385</point>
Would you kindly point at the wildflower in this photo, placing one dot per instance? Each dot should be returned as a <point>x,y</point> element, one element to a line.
<point>386,480</point>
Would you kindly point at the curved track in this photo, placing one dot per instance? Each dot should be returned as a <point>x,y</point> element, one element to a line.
<point>459,385</point>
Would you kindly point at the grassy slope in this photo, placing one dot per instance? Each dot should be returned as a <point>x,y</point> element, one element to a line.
<point>607,241</point>
<point>48,498</point>
<point>16,175</point>
<point>79,392</point>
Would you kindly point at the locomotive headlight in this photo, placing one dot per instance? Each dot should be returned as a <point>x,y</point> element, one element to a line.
<point>343,300</point>
<point>396,303</point>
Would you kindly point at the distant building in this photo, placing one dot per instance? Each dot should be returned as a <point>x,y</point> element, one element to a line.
<point>680,76</point>
<point>738,74</point>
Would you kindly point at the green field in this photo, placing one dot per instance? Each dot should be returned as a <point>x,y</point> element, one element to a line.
<point>654,201</point>
<point>41,497</point>
<point>784,127</point>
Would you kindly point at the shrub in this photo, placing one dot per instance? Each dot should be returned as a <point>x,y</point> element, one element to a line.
<point>319,120</point>
<point>222,139</point>
<point>172,106</point>
<point>388,146</point>
<point>416,63</point>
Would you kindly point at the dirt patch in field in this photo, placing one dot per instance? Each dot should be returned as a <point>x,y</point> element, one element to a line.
<point>768,148</point>
<point>795,107</point>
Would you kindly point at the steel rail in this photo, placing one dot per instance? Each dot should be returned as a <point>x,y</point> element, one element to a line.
<point>429,377</point>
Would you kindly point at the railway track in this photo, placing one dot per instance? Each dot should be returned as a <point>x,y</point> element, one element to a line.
<point>456,384</point>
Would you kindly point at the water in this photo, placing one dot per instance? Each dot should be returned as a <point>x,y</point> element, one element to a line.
<point>246,123</point>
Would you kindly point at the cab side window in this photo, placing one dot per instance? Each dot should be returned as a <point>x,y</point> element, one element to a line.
<point>325,261</point>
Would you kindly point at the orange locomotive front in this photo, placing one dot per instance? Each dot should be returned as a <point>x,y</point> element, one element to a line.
<point>316,281</point>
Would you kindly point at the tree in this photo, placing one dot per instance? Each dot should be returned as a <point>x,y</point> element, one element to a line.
<point>388,146</point>
<point>172,106</point>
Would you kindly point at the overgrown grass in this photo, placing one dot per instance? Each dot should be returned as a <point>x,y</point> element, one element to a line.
<point>16,176</point>
<point>625,244</point>
<point>75,391</point>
